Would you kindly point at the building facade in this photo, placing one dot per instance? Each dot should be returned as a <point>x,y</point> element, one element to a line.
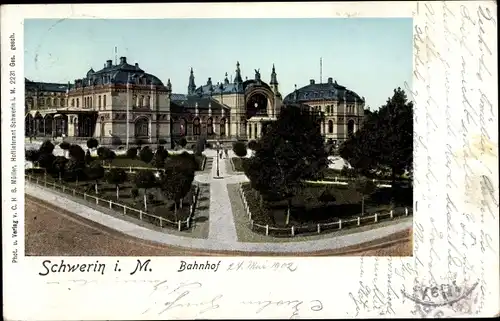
<point>121,103</point>
<point>342,109</point>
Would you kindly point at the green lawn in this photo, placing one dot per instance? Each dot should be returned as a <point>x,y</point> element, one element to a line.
<point>157,205</point>
<point>309,210</point>
<point>124,161</point>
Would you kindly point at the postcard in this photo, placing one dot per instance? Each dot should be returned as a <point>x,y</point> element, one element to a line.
<point>250,160</point>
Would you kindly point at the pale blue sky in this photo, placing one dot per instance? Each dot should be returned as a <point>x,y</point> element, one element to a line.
<point>370,56</point>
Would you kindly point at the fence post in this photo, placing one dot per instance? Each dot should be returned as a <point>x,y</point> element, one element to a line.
<point>376,217</point>
<point>37,180</point>
<point>161,222</point>
<point>359,221</point>
<point>293,231</point>
<point>97,200</point>
<point>140,215</point>
<point>267,229</point>
<point>406,211</point>
<point>179,223</point>
<point>187,222</point>
<point>85,196</point>
<point>64,188</point>
<point>130,169</point>
<point>319,228</point>
<point>251,224</point>
<point>391,214</point>
<point>74,192</point>
<point>340,224</point>
<point>124,210</point>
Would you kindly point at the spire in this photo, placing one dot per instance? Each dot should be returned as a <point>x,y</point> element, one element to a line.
<point>274,79</point>
<point>237,78</point>
<point>191,85</point>
<point>169,85</point>
<point>226,81</point>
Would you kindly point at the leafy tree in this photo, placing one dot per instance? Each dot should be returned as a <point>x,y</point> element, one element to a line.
<point>189,161</point>
<point>65,146</point>
<point>176,181</point>
<point>386,139</point>
<point>45,161</point>
<point>132,152</point>
<point>240,149</point>
<point>365,187</point>
<point>146,154</point>
<point>74,170</point>
<point>158,160</point>
<point>161,151</point>
<point>291,151</point>
<point>59,166</point>
<point>145,179</point>
<point>47,147</point>
<point>105,154</point>
<point>88,157</point>
<point>327,196</point>
<point>95,172</point>
<point>182,142</point>
<point>100,151</point>
<point>32,155</point>
<point>92,143</point>
<point>116,176</point>
<point>76,152</point>
<point>252,144</point>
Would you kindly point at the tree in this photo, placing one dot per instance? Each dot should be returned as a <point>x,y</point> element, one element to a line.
<point>176,181</point>
<point>76,152</point>
<point>158,160</point>
<point>386,139</point>
<point>139,142</point>
<point>88,157</point>
<point>95,172</point>
<point>105,154</point>
<point>182,142</point>
<point>145,179</point>
<point>65,146</point>
<point>240,149</point>
<point>252,144</point>
<point>45,161</point>
<point>47,147</point>
<point>74,170</point>
<point>132,152</point>
<point>162,141</point>
<point>327,196</point>
<point>146,154</point>
<point>134,192</point>
<point>32,155</point>
<point>116,176</point>
<point>365,187</point>
<point>290,152</point>
<point>92,143</point>
<point>59,166</point>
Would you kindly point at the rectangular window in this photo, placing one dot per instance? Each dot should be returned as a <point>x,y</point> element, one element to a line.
<point>99,102</point>
<point>104,101</point>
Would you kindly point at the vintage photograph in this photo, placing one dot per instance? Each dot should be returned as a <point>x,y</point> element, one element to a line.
<point>218,137</point>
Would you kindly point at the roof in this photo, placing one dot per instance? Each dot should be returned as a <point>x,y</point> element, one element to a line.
<point>180,102</point>
<point>121,73</point>
<point>228,88</point>
<point>324,91</point>
<point>45,86</point>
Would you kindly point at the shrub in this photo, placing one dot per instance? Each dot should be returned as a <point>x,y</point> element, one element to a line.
<point>32,155</point>
<point>327,196</point>
<point>116,176</point>
<point>158,160</point>
<point>47,147</point>
<point>92,143</point>
<point>146,154</point>
<point>100,151</point>
<point>46,160</point>
<point>74,170</point>
<point>134,192</point>
<point>76,152</point>
<point>95,172</point>
<point>139,142</point>
<point>59,165</point>
<point>116,141</point>
<point>161,151</point>
<point>132,152</point>
<point>252,144</point>
<point>162,141</point>
<point>64,145</point>
<point>88,157</point>
<point>145,179</point>
<point>182,142</point>
<point>188,161</point>
<point>348,172</point>
<point>240,149</point>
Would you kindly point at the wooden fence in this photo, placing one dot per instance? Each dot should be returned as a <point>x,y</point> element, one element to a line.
<point>124,209</point>
<point>320,227</point>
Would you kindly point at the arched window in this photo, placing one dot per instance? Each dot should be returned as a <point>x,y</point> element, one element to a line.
<point>148,101</point>
<point>63,102</point>
<point>141,127</point>
<point>350,128</point>
<point>210,127</point>
<point>183,126</point>
<point>90,101</point>
<point>49,103</point>
<point>54,102</point>
<point>222,127</point>
<point>41,102</point>
<point>73,102</point>
<point>255,130</point>
<point>78,102</point>
<point>330,127</point>
<point>250,131</point>
<point>99,102</point>
<point>196,126</point>
<point>104,101</point>
<point>87,127</point>
<point>141,102</point>
<point>134,101</point>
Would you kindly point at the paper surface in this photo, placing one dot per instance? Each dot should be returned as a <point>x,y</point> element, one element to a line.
<point>454,270</point>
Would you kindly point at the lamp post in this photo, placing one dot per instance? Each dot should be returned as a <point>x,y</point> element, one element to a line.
<point>218,147</point>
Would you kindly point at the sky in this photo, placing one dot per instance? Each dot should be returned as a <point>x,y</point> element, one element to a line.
<point>370,56</point>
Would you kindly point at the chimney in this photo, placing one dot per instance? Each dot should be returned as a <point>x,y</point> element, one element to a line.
<point>136,65</point>
<point>109,63</point>
<point>330,80</point>
<point>123,60</point>
<point>311,82</point>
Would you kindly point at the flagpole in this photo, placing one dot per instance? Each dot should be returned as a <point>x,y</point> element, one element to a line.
<point>128,107</point>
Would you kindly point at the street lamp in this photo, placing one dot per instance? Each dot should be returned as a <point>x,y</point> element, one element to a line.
<point>217,148</point>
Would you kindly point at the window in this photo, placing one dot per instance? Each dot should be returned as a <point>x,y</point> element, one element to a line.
<point>250,130</point>
<point>41,102</point>
<point>196,126</point>
<point>183,127</point>
<point>222,126</point>
<point>141,127</point>
<point>78,102</point>
<point>210,127</point>
<point>104,101</point>
<point>62,102</point>
<point>73,102</point>
<point>141,102</point>
<point>99,101</point>
<point>134,101</point>
<point>148,101</point>
<point>330,127</point>
<point>350,128</point>
<point>49,102</point>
